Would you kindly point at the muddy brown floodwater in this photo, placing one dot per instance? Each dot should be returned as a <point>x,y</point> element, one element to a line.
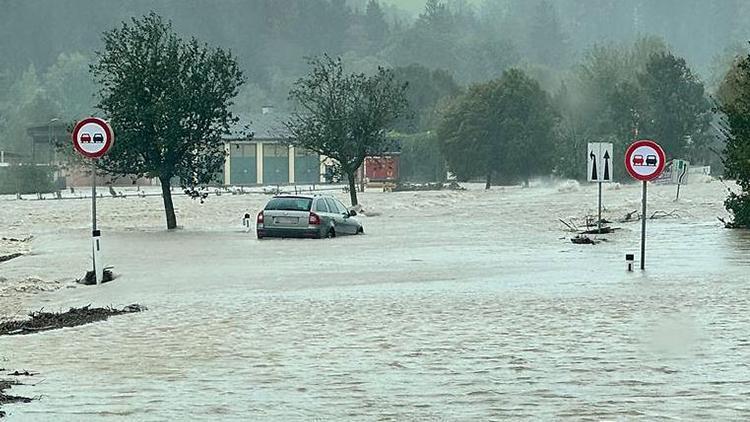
<point>456,306</point>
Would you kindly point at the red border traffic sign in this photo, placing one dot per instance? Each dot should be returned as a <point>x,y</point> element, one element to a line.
<point>106,130</point>
<point>633,160</point>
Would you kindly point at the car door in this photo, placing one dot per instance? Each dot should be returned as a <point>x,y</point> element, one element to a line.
<point>323,211</point>
<point>351,224</point>
<point>338,217</point>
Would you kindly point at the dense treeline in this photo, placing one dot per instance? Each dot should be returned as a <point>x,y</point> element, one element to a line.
<point>602,76</point>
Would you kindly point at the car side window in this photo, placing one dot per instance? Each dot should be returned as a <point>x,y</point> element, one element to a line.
<point>321,206</point>
<point>341,206</point>
<point>332,206</point>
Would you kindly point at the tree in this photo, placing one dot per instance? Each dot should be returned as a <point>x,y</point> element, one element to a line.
<point>421,160</point>
<point>504,127</point>
<point>603,100</point>
<point>424,91</point>
<point>436,15</point>
<point>676,110</point>
<point>24,104</point>
<point>547,38</point>
<point>734,97</point>
<point>375,25</point>
<point>70,86</point>
<point>344,116</point>
<point>169,102</point>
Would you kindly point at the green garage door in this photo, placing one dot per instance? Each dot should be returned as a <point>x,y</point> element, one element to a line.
<point>275,164</point>
<point>243,164</point>
<point>306,166</point>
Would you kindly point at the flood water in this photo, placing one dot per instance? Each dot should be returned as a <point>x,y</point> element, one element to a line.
<point>456,306</point>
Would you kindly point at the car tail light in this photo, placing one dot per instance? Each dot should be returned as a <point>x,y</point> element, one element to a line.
<point>260,218</point>
<point>314,219</point>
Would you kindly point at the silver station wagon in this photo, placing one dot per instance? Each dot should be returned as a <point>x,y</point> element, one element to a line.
<point>310,216</point>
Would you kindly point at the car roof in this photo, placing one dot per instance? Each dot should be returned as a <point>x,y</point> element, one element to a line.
<point>314,196</point>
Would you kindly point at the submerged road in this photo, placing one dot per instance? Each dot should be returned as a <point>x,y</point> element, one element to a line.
<point>456,306</point>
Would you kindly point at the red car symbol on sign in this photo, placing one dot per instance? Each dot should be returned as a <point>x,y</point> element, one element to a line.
<point>637,160</point>
<point>85,138</point>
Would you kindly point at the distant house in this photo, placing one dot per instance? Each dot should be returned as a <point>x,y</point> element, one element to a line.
<point>46,139</point>
<point>265,158</point>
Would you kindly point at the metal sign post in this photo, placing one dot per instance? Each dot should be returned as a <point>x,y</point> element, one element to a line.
<point>599,221</point>
<point>92,138</point>
<point>644,160</point>
<point>680,174</point>
<point>95,234</point>
<point>643,227</point>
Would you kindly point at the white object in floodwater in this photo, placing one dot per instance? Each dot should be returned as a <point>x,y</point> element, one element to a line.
<point>96,245</point>
<point>630,261</point>
<point>246,222</point>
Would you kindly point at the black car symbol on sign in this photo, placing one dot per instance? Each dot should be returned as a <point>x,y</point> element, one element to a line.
<point>98,138</point>
<point>650,159</point>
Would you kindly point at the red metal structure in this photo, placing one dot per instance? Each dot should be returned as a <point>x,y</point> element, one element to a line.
<point>382,168</point>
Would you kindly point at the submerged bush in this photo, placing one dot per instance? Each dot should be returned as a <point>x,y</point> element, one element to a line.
<point>739,206</point>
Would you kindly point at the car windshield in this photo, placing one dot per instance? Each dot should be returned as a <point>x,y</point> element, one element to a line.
<point>289,204</point>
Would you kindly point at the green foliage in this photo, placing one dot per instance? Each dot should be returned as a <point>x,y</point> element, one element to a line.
<point>735,106</point>
<point>674,106</point>
<point>425,89</point>
<point>455,42</point>
<point>27,104</point>
<point>270,36</point>
<point>505,127</point>
<point>421,158</point>
<point>26,179</point>
<point>739,206</point>
<point>70,87</point>
<point>616,89</point>
<point>344,116</point>
<point>169,102</point>
<point>547,38</point>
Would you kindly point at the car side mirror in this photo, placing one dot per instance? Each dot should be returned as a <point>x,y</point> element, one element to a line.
<point>352,213</point>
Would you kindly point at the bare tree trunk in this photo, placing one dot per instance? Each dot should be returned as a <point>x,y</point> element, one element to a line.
<point>488,184</point>
<point>361,178</point>
<point>352,187</point>
<point>166,193</point>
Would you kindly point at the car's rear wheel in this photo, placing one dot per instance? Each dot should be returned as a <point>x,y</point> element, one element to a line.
<point>361,230</point>
<point>331,233</point>
<point>260,236</point>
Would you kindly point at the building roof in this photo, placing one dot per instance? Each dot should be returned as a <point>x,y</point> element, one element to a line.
<point>40,133</point>
<point>269,126</point>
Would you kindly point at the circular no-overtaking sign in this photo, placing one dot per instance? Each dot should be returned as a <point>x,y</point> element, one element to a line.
<point>645,160</point>
<point>92,137</point>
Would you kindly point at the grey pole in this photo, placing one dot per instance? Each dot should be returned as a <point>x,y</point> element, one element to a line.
<point>643,229</point>
<point>93,196</point>
<point>600,208</point>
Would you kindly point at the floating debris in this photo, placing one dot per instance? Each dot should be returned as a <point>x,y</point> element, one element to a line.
<point>45,321</point>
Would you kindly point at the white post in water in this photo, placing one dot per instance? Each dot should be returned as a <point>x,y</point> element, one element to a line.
<point>599,224</point>
<point>92,138</point>
<point>96,247</point>
<point>246,222</point>
<point>629,261</point>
